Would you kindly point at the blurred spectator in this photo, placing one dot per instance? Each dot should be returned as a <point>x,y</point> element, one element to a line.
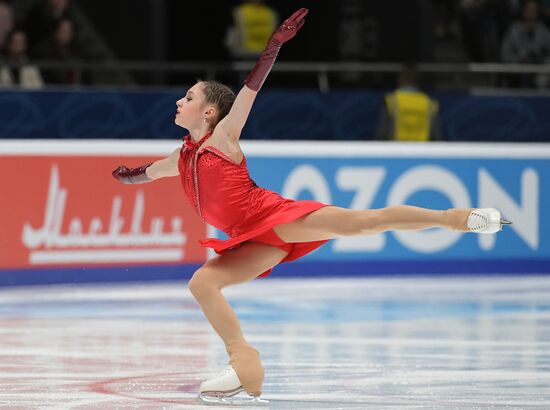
<point>61,46</point>
<point>253,24</point>
<point>20,72</point>
<point>545,11</point>
<point>44,18</point>
<point>503,13</point>
<point>408,114</point>
<point>445,13</point>
<point>527,41</point>
<point>6,21</point>
<point>479,29</point>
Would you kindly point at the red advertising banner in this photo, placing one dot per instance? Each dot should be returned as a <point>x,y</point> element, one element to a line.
<point>70,211</point>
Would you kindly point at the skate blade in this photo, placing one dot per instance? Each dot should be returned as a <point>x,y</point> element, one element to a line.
<point>504,222</point>
<point>231,399</point>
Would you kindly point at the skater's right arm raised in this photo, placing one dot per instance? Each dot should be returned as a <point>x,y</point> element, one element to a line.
<point>166,167</point>
<point>233,123</point>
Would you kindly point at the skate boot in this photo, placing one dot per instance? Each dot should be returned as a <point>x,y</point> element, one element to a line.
<point>248,366</point>
<point>224,388</point>
<point>486,220</point>
<point>245,373</point>
<point>480,220</point>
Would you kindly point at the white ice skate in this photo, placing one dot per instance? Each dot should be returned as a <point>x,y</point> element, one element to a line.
<point>224,388</point>
<point>486,220</point>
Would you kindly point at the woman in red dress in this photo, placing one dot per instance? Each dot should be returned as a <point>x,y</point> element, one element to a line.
<point>264,229</point>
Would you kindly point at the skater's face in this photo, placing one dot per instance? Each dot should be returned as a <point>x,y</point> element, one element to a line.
<point>192,110</point>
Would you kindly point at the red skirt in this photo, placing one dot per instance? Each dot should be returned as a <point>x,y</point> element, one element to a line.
<point>262,232</point>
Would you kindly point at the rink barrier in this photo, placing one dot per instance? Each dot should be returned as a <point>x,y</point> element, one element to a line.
<point>276,115</point>
<point>305,269</point>
<point>65,219</point>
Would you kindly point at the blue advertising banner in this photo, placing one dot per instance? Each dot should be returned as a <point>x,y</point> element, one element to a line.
<point>465,176</point>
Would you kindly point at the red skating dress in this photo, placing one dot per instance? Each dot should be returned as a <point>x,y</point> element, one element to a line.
<point>225,196</point>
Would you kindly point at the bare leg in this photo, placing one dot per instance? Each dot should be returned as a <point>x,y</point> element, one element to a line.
<point>333,222</point>
<point>235,266</point>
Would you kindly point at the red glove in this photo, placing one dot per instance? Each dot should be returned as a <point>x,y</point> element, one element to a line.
<point>285,32</point>
<point>132,175</point>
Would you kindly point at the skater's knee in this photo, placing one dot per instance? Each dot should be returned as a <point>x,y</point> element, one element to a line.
<point>201,284</point>
<point>370,222</point>
<point>355,223</point>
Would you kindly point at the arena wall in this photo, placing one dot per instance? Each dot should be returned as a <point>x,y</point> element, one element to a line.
<point>276,115</point>
<point>65,219</point>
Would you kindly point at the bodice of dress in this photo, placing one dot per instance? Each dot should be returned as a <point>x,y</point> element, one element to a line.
<point>219,189</point>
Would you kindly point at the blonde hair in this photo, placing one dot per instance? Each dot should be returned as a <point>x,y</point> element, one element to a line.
<point>219,95</point>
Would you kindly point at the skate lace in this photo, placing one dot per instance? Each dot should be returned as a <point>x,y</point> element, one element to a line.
<point>478,221</point>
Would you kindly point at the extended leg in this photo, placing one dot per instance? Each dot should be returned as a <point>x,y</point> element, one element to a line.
<point>236,266</point>
<point>333,222</point>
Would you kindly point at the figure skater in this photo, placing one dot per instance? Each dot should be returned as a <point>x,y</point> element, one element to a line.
<point>264,229</point>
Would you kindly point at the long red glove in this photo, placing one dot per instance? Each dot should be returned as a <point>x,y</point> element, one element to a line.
<point>132,175</point>
<point>285,32</point>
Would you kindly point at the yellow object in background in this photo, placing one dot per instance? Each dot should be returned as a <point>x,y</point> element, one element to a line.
<point>256,22</point>
<point>412,112</point>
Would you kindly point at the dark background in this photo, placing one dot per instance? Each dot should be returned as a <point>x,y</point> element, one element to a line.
<point>336,30</point>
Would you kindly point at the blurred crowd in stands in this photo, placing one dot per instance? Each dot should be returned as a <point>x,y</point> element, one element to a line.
<point>37,38</point>
<point>47,31</point>
<point>509,31</point>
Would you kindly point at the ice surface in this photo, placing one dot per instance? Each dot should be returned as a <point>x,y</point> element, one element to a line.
<point>416,343</point>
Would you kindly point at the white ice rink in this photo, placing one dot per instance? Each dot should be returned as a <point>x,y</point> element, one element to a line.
<point>416,343</point>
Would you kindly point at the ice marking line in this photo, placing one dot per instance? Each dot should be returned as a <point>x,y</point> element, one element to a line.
<point>102,387</point>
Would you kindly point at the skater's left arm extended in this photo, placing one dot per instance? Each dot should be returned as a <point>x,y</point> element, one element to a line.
<point>166,167</point>
<point>235,120</point>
